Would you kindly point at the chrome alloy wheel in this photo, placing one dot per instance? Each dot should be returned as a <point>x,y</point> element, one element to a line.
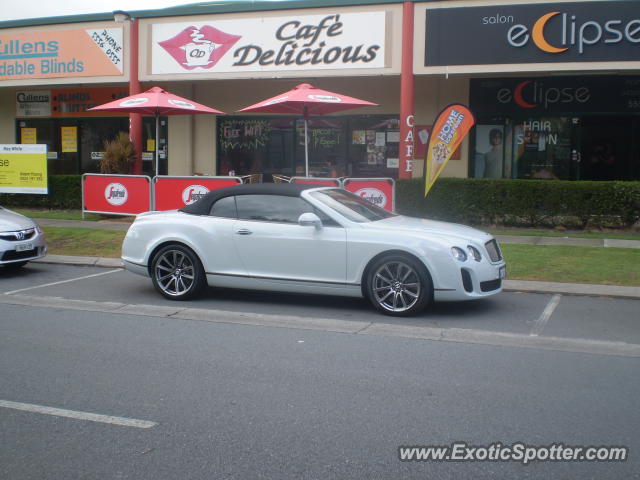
<point>396,286</point>
<point>174,273</point>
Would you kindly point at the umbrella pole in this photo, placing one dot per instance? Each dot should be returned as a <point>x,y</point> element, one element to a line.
<point>157,144</point>
<point>306,150</point>
<point>306,143</point>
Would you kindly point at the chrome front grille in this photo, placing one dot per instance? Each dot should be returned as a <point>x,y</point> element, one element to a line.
<point>493,250</point>
<point>18,235</point>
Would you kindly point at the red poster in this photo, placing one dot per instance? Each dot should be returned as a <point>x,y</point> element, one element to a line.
<point>379,191</point>
<point>175,192</point>
<point>116,194</point>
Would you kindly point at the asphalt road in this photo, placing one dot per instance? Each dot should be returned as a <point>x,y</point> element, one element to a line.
<point>251,385</point>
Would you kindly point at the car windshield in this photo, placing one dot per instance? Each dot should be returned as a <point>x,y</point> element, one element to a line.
<point>351,206</point>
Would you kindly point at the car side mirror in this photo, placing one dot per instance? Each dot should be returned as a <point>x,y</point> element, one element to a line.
<point>310,220</point>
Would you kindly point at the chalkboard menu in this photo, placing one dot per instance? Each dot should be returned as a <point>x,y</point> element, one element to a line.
<point>243,134</point>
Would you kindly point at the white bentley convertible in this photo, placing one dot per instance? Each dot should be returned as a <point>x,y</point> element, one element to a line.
<point>298,238</point>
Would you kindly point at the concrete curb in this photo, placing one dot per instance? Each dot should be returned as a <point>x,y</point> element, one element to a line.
<point>509,285</point>
<point>81,261</point>
<point>572,289</point>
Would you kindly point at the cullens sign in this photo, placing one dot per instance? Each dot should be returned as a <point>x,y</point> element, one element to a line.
<point>540,33</point>
<point>309,42</point>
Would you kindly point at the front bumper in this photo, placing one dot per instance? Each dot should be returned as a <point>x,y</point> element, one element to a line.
<point>474,281</point>
<point>14,252</point>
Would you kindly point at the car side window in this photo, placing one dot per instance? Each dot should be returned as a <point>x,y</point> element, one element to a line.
<point>276,208</point>
<point>225,208</point>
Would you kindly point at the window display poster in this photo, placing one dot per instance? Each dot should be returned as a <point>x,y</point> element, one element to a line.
<point>358,137</point>
<point>28,135</point>
<point>23,169</point>
<point>69,136</point>
<point>380,139</point>
<point>393,137</point>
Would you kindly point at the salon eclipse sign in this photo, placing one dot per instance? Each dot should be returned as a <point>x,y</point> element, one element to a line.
<point>539,33</point>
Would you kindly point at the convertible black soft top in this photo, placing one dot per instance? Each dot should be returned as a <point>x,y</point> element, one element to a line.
<point>203,206</point>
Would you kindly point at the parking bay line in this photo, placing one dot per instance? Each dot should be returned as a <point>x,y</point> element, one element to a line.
<point>91,417</point>
<point>542,320</point>
<point>63,281</point>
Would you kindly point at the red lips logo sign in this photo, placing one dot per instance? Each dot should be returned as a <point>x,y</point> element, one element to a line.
<point>199,47</point>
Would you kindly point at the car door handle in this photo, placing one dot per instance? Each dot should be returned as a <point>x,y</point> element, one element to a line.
<point>244,231</point>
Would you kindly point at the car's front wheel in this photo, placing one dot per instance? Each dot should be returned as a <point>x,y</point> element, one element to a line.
<point>177,272</point>
<point>398,285</point>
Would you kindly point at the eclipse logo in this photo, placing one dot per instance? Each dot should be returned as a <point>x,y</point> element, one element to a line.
<point>571,31</point>
<point>530,94</point>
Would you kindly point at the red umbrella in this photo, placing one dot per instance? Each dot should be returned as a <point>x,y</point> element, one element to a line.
<point>307,100</point>
<point>157,102</point>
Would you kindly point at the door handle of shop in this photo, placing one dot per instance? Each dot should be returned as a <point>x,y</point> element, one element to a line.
<point>244,231</point>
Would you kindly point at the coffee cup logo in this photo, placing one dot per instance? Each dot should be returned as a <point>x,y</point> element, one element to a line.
<point>197,54</point>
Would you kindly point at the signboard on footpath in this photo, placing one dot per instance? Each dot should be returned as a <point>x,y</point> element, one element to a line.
<point>68,53</point>
<point>176,192</point>
<point>23,169</point>
<point>267,44</point>
<point>116,194</point>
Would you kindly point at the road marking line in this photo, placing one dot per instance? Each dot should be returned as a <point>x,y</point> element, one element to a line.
<point>91,417</point>
<point>63,281</point>
<point>542,320</point>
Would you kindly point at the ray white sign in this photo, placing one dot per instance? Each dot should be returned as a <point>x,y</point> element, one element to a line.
<point>306,42</point>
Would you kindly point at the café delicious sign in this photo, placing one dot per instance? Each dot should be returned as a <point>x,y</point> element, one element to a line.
<point>538,33</point>
<point>306,42</point>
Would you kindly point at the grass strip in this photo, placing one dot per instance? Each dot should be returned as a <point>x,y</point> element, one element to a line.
<point>552,233</point>
<point>84,241</point>
<point>598,265</point>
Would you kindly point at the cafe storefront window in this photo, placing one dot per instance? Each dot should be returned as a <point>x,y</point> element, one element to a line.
<point>339,146</point>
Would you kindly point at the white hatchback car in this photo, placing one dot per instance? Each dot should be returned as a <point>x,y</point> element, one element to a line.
<point>304,239</point>
<point>21,239</point>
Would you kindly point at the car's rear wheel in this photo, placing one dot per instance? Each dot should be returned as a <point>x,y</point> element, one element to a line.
<point>177,273</point>
<point>398,285</point>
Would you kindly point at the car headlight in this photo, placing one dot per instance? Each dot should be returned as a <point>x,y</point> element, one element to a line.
<point>39,230</point>
<point>474,252</point>
<point>459,254</point>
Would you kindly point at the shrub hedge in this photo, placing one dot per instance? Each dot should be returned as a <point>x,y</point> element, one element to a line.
<point>64,193</point>
<point>534,203</point>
